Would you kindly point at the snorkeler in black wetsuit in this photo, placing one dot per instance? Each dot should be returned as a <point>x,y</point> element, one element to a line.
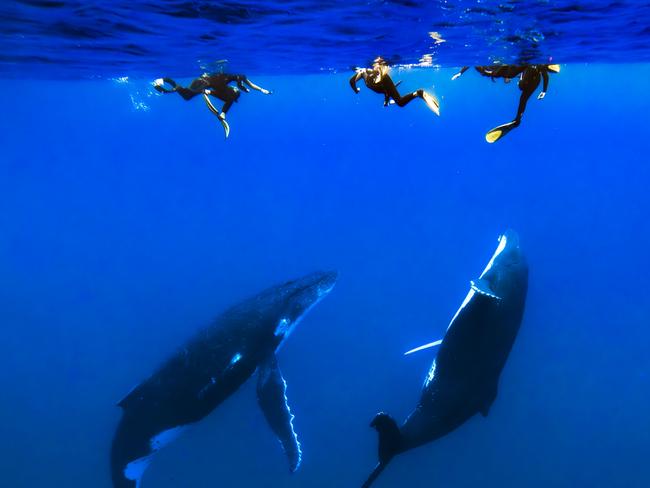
<point>215,84</point>
<point>530,78</point>
<point>379,81</point>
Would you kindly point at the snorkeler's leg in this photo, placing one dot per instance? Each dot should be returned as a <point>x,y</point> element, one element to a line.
<point>401,101</point>
<point>197,87</point>
<point>229,95</point>
<point>523,101</point>
<point>194,89</point>
<point>501,130</point>
<point>214,110</point>
<point>186,93</point>
<point>226,107</point>
<point>460,73</point>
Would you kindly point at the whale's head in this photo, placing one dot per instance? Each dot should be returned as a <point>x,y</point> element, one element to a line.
<point>297,297</point>
<point>508,267</point>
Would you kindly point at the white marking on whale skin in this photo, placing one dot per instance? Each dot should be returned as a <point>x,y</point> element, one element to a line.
<point>235,359</point>
<point>282,328</point>
<point>135,469</point>
<point>424,346</point>
<point>430,375</point>
<point>468,299</point>
<point>503,242</point>
<point>480,289</point>
<point>203,390</point>
<point>293,431</point>
<point>165,437</point>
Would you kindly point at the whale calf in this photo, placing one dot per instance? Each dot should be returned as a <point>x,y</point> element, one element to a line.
<point>211,367</point>
<point>464,377</point>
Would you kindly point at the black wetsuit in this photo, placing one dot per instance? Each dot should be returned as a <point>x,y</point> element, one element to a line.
<point>384,86</point>
<point>530,78</point>
<point>217,83</point>
<point>507,72</point>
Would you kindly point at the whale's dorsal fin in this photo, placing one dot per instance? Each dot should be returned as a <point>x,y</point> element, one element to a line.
<point>271,394</point>
<point>423,347</point>
<point>482,287</point>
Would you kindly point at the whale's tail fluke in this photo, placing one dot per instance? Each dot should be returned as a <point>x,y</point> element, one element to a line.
<point>390,440</point>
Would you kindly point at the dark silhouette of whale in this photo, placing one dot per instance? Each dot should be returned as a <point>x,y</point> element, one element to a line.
<point>464,377</point>
<point>211,367</point>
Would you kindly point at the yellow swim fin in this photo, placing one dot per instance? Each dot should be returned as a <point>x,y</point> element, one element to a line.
<point>432,102</point>
<point>498,132</point>
<point>555,68</point>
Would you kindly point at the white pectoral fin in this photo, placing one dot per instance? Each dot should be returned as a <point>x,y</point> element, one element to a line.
<point>482,287</point>
<point>271,395</point>
<point>423,347</point>
<point>135,469</point>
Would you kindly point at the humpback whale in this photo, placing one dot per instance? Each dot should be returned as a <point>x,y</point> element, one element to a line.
<point>463,378</point>
<point>211,367</point>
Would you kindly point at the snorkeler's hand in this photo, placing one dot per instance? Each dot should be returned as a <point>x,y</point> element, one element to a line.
<point>158,82</point>
<point>266,92</point>
<point>541,95</point>
<point>207,91</point>
<point>456,76</point>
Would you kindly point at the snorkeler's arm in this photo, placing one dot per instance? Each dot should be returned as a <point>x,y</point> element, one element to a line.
<point>353,81</point>
<point>255,87</point>
<point>545,86</point>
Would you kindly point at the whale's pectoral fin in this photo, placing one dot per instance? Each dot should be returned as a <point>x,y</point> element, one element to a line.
<point>423,347</point>
<point>482,287</point>
<point>271,394</point>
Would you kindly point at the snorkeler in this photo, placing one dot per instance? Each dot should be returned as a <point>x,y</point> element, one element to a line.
<point>530,78</point>
<point>379,81</point>
<point>215,84</point>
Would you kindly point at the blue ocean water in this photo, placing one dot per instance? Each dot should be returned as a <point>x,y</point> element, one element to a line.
<point>128,222</point>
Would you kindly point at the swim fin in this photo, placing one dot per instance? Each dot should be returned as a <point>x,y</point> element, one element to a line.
<point>498,132</point>
<point>226,127</point>
<point>432,102</point>
<point>222,119</point>
<point>554,68</point>
<point>159,85</point>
